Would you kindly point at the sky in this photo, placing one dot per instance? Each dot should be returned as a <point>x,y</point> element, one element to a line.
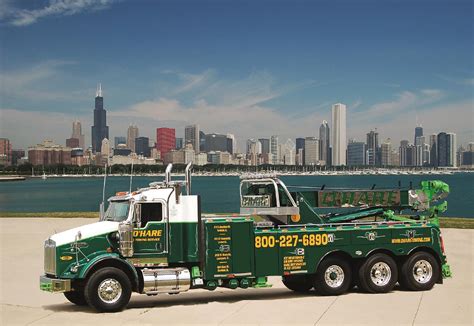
<point>250,68</point>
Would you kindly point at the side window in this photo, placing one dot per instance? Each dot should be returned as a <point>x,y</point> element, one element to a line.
<point>151,212</point>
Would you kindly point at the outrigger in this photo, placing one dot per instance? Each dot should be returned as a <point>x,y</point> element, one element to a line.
<point>155,240</point>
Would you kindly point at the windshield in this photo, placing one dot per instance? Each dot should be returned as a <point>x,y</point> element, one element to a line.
<point>117,211</point>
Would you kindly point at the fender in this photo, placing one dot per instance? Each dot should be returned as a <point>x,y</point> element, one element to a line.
<point>108,256</point>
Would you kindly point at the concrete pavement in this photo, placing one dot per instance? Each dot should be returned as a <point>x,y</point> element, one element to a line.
<point>22,303</point>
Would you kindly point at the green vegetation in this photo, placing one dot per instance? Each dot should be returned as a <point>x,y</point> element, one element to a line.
<point>456,223</point>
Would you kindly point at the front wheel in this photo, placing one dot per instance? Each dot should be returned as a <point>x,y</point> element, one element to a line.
<point>76,297</point>
<point>297,283</point>
<point>333,276</point>
<point>108,289</point>
<point>419,272</point>
<point>378,274</point>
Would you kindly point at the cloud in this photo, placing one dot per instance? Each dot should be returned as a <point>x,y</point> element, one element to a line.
<point>458,80</point>
<point>404,101</point>
<point>35,83</point>
<point>25,17</point>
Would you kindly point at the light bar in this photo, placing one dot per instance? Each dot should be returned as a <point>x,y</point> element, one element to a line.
<point>250,176</point>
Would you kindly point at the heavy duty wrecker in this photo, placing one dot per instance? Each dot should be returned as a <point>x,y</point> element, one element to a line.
<point>155,240</point>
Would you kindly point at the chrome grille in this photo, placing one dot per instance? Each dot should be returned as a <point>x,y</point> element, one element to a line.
<point>50,257</point>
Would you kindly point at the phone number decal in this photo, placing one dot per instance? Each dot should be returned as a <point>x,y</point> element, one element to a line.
<point>293,240</point>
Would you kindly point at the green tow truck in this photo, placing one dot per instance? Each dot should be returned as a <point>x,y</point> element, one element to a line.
<point>155,240</point>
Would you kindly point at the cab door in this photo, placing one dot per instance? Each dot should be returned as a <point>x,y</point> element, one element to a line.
<point>150,235</point>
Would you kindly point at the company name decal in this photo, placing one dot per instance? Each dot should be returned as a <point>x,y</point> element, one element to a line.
<point>147,235</point>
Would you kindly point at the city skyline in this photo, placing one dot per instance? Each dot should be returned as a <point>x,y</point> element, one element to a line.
<point>216,72</point>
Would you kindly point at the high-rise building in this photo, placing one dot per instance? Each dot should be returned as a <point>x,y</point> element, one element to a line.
<point>72,142</point>
<point>402,153</point>
<point>433,150</point>
<point>287,153</point>
<point>311,151</point>
<point>119,140</point>
<point>191,136</point>
<point>300,151</point>
<point>142,146</point>
<point>231,144</point>
<point>5,152</point>
<point>418,132</point>
<point>216,143</point>
<point>254,150</point>
<point>324,137</point>
<point>105,147</point>
<point>386,153</point>
<point>356,153</point>
<point>338,139</point>
<point>77,133</point>
<point>100,130</point>
<point>275,149</point>
<point>180,143</point>
<point>265,142</point>
<point>132,134</point>
<point>373,147</point>
<point>165,140</point>
<point>452,149</point>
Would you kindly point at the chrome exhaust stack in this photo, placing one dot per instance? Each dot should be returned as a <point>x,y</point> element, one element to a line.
<point>168,174</point>
<point>187,172</point>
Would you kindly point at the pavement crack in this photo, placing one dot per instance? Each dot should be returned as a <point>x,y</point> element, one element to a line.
<point>43,317</point>
<point>235,312</point>
<point>417,309</point>
<point>325,311</point>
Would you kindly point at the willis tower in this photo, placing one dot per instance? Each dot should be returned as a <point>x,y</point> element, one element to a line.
<point>100,130</point>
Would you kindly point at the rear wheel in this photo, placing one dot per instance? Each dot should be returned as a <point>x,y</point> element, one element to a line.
<point>333,276</point>
<point>76,297</point>
<point>108,289</point>
<point>419,272</point>
<point>378,274</point>
<point>297,283</point>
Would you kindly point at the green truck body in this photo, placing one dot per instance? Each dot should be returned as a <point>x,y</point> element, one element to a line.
<point>155,241</point>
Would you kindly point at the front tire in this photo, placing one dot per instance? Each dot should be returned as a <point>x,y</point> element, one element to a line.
<point>333,277</point>
<point>378,274</point>
<point>297,283</point>
<point>419,272</point>
<point>108,290</point>
<point>76,297</point>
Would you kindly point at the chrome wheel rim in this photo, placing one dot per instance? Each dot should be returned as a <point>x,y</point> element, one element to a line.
<point>334,276</point>
<point>380,274</point>
<point>422,271</point>
<point>109,290</point>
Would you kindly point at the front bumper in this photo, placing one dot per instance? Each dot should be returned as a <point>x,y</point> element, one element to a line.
<point>54,285</point>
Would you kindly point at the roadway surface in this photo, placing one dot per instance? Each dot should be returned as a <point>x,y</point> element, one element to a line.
<point>22,303</point>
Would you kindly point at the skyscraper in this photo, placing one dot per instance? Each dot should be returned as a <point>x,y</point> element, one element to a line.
<point>165,140</point>
<point>100,130</point>
<point>433,150</point>
<point>324,137</point>
<point>356,153</point>
<point>311,151</point>
<point>132,134</point>
<point>442,149</point>
<point>299,151</point>
<point>77,133</point>
<point>372,147</point>
<point>231,144</point>
<point>275,149</point>
<point>119,140</point>
<point>265,142</point>
<point>191,136</point>
<point>386,153</point>
<point>142,146</point>
<point>338,139</point>
<point>452,149</point>
<point>418,132</point>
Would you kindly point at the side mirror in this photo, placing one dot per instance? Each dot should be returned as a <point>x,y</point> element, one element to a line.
<point>137,215</point>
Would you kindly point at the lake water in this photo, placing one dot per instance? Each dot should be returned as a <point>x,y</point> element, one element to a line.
<point>218,194</point>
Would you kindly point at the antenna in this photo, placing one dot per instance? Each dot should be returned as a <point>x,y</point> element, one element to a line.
<point>102,211</point>
<point>131,177</point>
